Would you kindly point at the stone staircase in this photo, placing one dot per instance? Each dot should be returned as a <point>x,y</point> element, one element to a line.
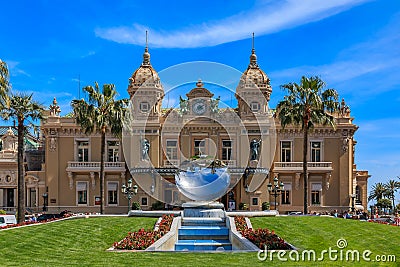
<point>203,234</point>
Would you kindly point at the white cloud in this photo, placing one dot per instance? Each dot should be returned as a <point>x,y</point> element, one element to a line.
<point>14,70</point>
<point>379,129</point>
<point>378,56</point>
<point>90,53</point>
<point>263,19</point>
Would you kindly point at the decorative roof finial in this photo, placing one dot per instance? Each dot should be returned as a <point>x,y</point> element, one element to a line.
<point>252,45</point>
<point>146,55</point>
<point>199,83</point>
<point>147,44</point>
<point>253,57</point>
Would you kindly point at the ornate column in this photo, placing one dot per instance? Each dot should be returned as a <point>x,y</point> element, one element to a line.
<point>93,181</point>
<point>297,180</point>
<point>71,180</point>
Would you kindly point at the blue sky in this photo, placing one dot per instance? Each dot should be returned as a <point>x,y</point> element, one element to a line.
<point>354,45</point>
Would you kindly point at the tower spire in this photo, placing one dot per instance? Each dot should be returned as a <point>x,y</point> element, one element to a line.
<point>146,54</point>
<point>252,45</point>
<point>147,44</point>
<point>253,57</point>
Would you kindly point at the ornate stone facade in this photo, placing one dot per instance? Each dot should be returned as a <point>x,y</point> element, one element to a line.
<point>162,138</point>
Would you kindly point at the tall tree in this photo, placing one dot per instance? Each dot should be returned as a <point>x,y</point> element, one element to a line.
<point>25,110</point>
<point>391,188</point>
<point>102,112</point>
<point>4,84</point>
<point>378,192</point>
<point>306,104</point>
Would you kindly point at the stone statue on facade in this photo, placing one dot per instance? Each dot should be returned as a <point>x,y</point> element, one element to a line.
<point>254,149</point>
<point>183,106</point>
<point>344,109</point>
<point>54,108</point>
<point>145,149</point>
<point>214,105</point>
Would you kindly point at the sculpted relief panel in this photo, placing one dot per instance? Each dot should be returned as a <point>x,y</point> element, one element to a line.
<point>7,178</point>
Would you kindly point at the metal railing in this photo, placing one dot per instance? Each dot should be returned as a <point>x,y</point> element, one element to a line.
<point>94,166</point>
<point>327,166</point>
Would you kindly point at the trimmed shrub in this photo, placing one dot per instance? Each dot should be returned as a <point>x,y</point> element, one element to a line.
<point>243,206</point>
<point>136,206</point>
<point>265,206</point>
<point>158,205</point>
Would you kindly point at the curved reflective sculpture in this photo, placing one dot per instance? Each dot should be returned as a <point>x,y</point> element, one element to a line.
<point>203,180</point>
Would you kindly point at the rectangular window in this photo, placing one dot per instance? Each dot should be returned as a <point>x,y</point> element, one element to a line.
<point>255,106</point>
<point>83,151</point>
<point>112,189</point>
<point>113,151</point>
<point>32,197</point>
<point>315,151</point>
<point>81,191</point>
<point>144,201</point>
<point>254,201</point>
<point>199,147</point>
<point>285,194</point>
<point>286,151</point>
<point>144,106</point>
<point>172,149</point>
<point>316,193</point>
<point>226,149</point>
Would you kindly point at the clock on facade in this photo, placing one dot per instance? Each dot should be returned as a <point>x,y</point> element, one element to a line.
<point>199,107</point>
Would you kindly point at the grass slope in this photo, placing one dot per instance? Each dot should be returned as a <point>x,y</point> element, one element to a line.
<point>84,242</point>
<point>320,233</point>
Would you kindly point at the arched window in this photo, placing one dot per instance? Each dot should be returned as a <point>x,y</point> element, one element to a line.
<point>358,194</point>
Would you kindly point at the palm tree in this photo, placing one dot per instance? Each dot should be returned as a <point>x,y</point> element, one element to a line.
<point>378,192</point>
<point>24,110</point>
<point>4,84</point>
<point>101,113</point>
<point>307,105</point>
<point>391,188</point>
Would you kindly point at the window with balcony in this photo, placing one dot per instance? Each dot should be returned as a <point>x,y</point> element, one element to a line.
<point>172,149</point>
<point>112,193</point>
<point>112,151</point>
<point>315,151</point>
<point>82,193</point>
<point>285,194</point>
<point>199,147</point>
<point>316,189</point>
<point>83,151</point>
<point>226,149</point>
<point>286,151</point>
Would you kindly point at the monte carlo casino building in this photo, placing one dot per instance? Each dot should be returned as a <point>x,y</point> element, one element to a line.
<point>248,139</point>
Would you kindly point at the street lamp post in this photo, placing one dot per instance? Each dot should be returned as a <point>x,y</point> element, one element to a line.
<point>45,196</point>
<point>129,191</point>
<point>353,197</point>
<point>275,189</point>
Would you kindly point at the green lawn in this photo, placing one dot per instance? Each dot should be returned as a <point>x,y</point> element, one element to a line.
<point>84,242</point>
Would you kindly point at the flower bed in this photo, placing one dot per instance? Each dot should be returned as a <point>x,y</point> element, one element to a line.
<point>142,239</point>
<point>260,237</point>
<point>393,223</point>
<point>64,214</point>
<point>16,225</point>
